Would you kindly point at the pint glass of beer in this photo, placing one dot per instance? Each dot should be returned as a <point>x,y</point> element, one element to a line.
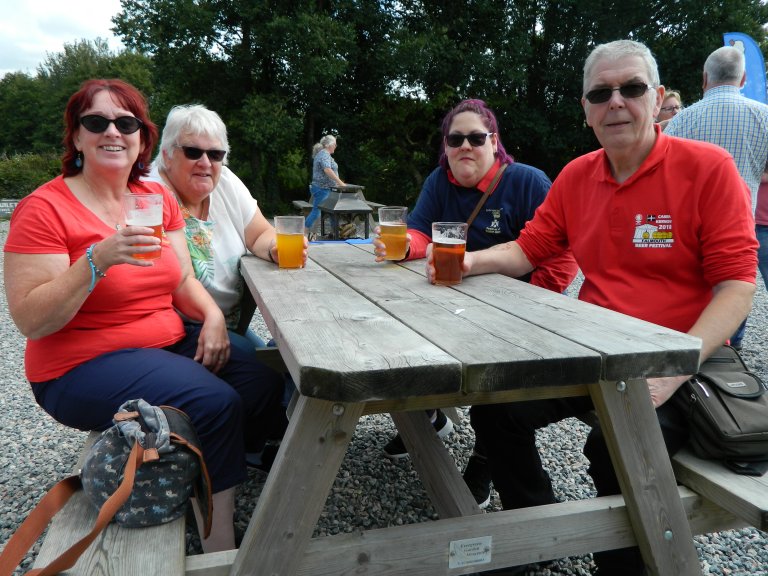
<point>290,241</point>
<point>145,210</point>
<point>449,241</point>
<point>392,227</point>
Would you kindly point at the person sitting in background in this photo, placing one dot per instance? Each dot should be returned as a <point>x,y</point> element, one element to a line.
<point>473,162</point>
<point>223,221</point>
<point>672,104</point>
<point>325,175</point>
<point>102,326</point>
<point>652,241</point>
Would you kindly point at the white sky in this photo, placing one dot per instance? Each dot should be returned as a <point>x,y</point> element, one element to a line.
<point>32,29</point>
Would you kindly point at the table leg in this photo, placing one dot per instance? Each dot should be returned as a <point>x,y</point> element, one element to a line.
<point>297,487</point>
<point>436,468</point>
<point>645,475</point>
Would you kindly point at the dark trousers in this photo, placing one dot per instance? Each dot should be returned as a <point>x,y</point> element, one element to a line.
<point>236,409</point>
<point>507,433</point>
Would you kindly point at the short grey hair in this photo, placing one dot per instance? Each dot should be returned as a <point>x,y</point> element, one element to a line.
<point>725,66</point>
<point>621,49</point>
<point>194,119</point>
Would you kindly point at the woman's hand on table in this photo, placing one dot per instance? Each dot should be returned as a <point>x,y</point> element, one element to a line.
<point>379,248</point>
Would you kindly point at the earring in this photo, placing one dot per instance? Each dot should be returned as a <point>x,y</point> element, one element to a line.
<point>79,160</point>
<point>140,165</point>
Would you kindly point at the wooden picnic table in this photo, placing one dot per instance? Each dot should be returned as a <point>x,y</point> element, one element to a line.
<point>361,337</point>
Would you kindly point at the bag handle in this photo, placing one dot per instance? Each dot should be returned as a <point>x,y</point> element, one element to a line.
<point>37,521</point>
<point>488,191</point>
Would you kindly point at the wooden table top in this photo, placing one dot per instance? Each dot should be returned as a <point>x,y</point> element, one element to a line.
<point>381,331</point>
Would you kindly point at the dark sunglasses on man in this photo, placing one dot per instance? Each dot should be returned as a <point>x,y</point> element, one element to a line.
<point>456,139</point>
<point>98,124</point>
<point>631,90</point>
<point>192,153</point>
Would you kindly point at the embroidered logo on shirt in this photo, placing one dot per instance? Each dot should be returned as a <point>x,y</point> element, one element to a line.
<point>495,226</point>
<point>653,231</point>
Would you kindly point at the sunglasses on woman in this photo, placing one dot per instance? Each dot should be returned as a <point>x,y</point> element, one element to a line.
<point>631,90</point>
<point>456,139</point>
<point>98,124</point>
<point>192,153</point>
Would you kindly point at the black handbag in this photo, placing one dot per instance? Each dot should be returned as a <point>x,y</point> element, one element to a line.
<point>727,410</point>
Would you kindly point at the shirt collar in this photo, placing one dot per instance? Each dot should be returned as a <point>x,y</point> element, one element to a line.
<point>485,181</point>
<point>655,156</point>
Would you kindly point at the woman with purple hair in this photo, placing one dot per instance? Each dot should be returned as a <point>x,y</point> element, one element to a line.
<point>475,170</point>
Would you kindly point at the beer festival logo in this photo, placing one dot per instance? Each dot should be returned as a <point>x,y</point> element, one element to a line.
<point>653,231</point>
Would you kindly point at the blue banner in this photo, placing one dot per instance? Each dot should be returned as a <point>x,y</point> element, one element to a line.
<point>754,87</point>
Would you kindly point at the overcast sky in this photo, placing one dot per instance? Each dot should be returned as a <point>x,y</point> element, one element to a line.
<point>30,29</point>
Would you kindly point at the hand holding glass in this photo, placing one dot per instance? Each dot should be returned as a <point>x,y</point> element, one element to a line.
<point>290,241</point>
<point>449,241</point>
<point>392,228</point>
<point>145,210</point>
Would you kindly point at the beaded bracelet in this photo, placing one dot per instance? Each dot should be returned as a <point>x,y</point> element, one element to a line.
<point>94,269</point>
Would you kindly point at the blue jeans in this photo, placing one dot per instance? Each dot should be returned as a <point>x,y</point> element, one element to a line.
<point>761,232</point>
<point>318,195</point>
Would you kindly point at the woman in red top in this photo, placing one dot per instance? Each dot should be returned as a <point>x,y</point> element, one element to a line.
<point>102,326</point>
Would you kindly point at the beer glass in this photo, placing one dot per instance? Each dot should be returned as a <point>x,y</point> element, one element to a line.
<point>449,241</point>
<point>290,241</point>
<point>145,210</point>
<point>392,227</point>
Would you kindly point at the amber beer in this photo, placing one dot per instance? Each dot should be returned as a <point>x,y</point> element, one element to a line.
<point>448,258</point>
<point>392,230</point>
<point>290,241</point>
<point>146,210</point>
<point>393,236</point>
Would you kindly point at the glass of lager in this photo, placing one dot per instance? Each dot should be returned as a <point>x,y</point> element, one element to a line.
<point>145,210</point>
<point>290,241</point>
<point>392,227</point>
<point>449,241</point>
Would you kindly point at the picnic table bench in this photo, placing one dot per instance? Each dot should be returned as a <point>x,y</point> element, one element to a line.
<point>117,551</point>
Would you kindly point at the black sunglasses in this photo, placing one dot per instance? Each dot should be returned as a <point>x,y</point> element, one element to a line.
<point>456,139</point>
<point>631,90</point>
<point>192,153</point>
<point>98,124</point>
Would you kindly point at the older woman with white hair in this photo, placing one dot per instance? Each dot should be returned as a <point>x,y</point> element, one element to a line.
<point>223,220</point>
<point>325,175</point>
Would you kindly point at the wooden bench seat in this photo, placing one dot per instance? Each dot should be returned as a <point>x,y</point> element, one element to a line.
<point>117,551</point>
<point>746,497</point>
<point>302,206</point>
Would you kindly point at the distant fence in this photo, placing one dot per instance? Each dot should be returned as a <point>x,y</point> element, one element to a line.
<point>7,207</point>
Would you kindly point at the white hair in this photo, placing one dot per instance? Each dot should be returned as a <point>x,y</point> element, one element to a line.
<point>194,119</point>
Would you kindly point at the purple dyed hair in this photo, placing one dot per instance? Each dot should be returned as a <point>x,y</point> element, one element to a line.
<point>489,120</point>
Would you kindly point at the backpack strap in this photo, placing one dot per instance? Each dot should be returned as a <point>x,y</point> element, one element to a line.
<point>37,521</point>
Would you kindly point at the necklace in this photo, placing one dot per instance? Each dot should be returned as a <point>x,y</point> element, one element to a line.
<point>103,204</point>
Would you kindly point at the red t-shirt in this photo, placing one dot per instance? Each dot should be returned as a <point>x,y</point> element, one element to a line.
<point>654,246</point>
<point>130,308</point>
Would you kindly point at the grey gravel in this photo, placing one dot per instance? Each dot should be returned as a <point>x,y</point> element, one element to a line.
<point>369,491</point>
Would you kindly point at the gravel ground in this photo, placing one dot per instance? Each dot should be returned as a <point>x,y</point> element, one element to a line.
<point>369,492</point>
